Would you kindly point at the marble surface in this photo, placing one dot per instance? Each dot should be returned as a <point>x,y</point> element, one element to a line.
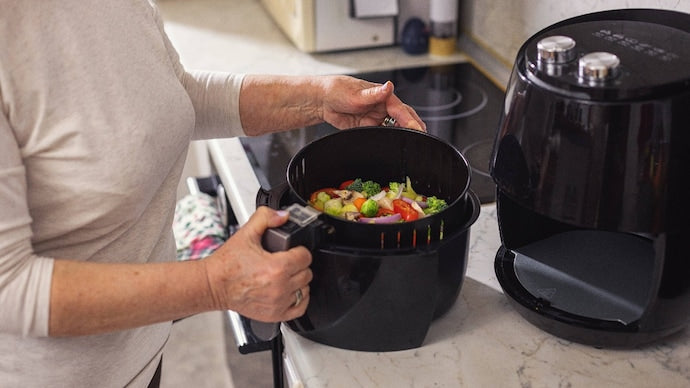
<point>481,341</point>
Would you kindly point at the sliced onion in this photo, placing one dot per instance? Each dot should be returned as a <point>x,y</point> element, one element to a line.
<point>385,203</point>
<point>381,220</point>
<point>419,210</point>
<point>379,195</point>
<point>398,194</point>
<point>411,201</point>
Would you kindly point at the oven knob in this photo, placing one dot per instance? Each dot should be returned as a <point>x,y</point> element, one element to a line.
<point>556,49</point>
<point>598,67</point>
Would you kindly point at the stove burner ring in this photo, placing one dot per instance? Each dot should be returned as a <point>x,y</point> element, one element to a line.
<point>456,99</point>
<point>477,154</point>
<point>460,115</point>
<point>440,105</point>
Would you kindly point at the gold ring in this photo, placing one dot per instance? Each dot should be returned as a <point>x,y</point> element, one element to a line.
<point>388,122</point>
<point>298,297</point>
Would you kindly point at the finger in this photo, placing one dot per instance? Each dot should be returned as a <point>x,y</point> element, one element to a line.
<point>297,259</point>
<point>377,93</point>
<point>264,218</point>
<point>404,115</point>
<point>301,278</point>
<point>415,120</point>
<point>299,304</point>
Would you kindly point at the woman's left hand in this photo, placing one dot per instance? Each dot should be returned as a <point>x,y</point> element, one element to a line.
<point>351,102</point>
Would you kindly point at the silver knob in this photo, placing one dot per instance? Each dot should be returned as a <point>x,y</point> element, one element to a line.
<point>598,66</point>
<point>556,49</point>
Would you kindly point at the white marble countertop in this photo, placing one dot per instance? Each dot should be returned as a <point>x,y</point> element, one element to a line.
<point>481,341</point>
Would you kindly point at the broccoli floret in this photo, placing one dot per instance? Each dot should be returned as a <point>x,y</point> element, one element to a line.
<point>434,205</point>
<point>370,188</point>
<point>369,208</point>
<point>356,185</point>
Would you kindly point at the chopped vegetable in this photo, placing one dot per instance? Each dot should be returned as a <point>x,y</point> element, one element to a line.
<point>365,201</point>
<point>385,203</point>
<point>405,210</point>
<point>355,185</point>
<point>434,205</point>
<point>378,196</point>
<point>333,206</point>
<point>369,208</point>
<point>345,184</point>
<point>408,191</point>
<point>370,188</point>
<point>417,208</point>
<point>349,208</point>
<point>358,202</point>
<point>395,217</point>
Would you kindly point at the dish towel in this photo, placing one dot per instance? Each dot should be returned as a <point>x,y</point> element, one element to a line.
<point>198,227</point>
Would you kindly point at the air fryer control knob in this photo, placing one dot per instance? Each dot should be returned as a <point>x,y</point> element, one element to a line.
<point>556,49</point>
<point>598,67</point>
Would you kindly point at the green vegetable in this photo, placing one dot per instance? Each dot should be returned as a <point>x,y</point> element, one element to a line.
<point>321,199</point>
<point>367,188</point>
<point>369,208</point>
<point>370,188</point>
<point>393,188</point>
<point>356,185</point>
<point>349,208</point>
<point>434,205</point>
<point>333,206</point>
<point>409,192</point>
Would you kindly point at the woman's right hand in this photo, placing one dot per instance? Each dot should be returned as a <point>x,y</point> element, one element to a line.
<point>258,284</point>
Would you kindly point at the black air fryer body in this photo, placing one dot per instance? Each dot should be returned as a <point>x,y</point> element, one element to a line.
<point>378,287</point>
<point>591,162</point>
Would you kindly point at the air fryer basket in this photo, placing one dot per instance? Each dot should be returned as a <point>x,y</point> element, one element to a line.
<point>384,154</point>
<point>377,287</point>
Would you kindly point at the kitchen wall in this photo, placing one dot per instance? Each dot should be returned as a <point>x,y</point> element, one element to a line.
<point>501,26</point>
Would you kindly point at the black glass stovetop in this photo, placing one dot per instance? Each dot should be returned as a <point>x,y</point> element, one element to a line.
<point>457,102</point>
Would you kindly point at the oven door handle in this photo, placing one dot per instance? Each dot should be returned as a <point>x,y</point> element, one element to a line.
<point>246,339</point>
<point>248,342</point>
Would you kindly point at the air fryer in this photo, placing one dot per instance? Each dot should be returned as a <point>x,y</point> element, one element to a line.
<point>378,287</point>
<point>591,162</point>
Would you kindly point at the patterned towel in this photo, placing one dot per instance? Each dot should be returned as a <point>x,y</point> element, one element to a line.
<point>197,227</point>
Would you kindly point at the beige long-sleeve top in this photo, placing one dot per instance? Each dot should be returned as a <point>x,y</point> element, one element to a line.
<point>97,114</point>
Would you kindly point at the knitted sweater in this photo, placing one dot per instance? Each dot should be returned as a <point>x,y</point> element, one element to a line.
<point>97,115</point>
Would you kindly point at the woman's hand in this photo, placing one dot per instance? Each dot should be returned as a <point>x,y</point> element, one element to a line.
<point>272,103</point>
<point>260,285</point>
<point>351,102</point>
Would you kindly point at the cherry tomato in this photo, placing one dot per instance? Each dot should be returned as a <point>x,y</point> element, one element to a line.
<point>344,185</point>
<point>405,210</point>
<point>384,212</point>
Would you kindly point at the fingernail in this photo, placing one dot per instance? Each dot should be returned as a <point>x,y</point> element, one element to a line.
<point>385,86</point>
<point>282,213</point>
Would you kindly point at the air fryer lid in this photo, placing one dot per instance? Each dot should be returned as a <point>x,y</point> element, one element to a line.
<point>643,54</point>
